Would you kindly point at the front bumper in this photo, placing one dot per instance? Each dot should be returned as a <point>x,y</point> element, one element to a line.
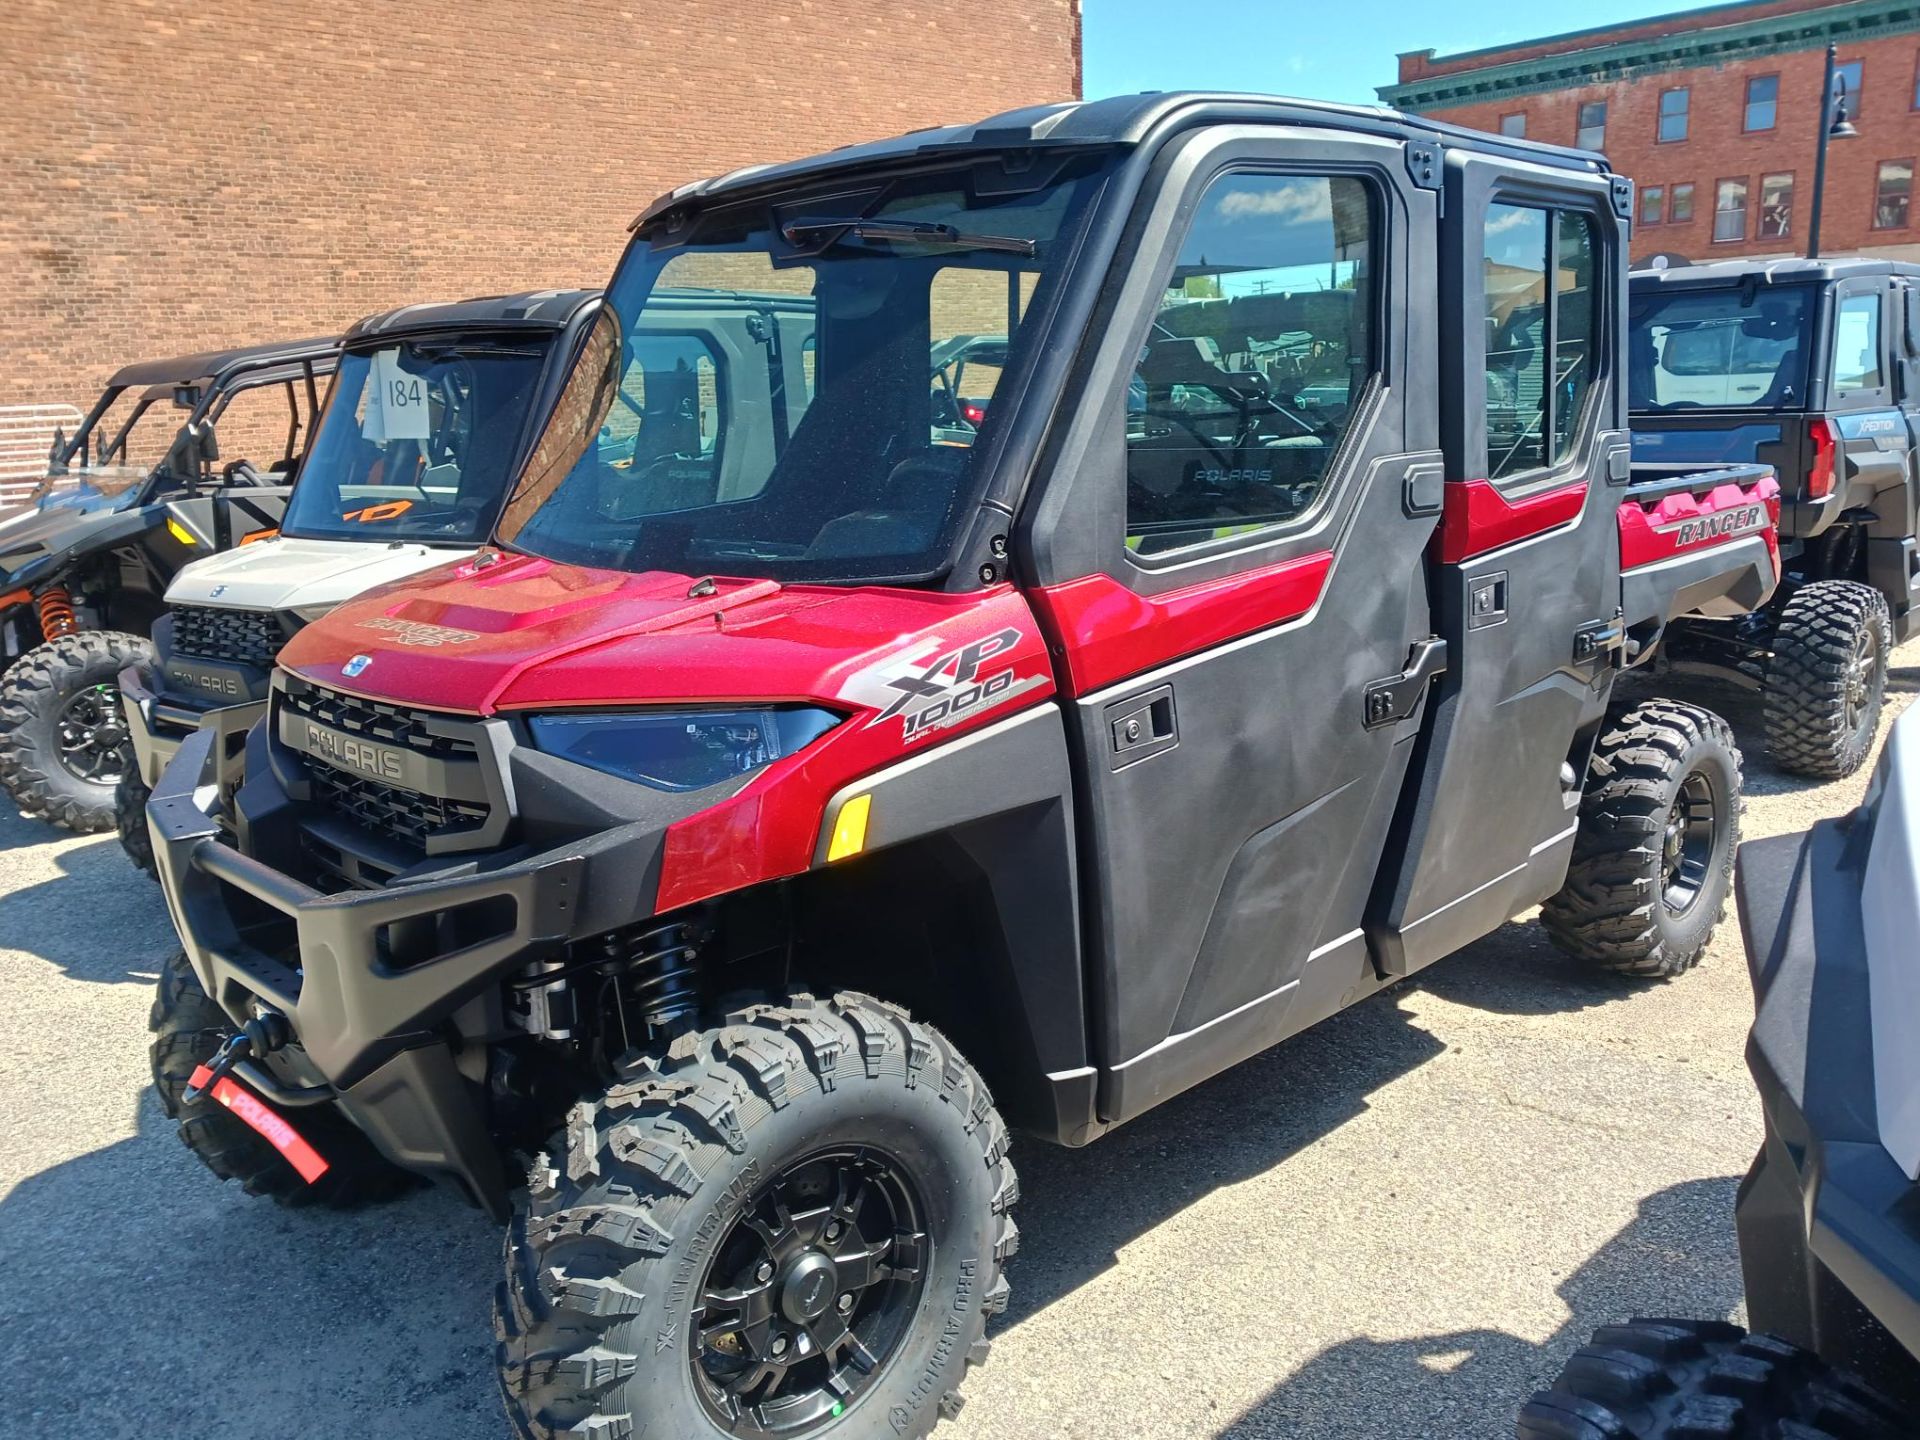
<point>157,724</point>
<point>1829,1224</point>
<point>393,994</point>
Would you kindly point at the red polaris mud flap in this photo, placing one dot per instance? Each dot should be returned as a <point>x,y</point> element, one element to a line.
<point>264,1120</point>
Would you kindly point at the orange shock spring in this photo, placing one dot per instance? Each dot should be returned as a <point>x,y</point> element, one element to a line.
<point>56,612</point>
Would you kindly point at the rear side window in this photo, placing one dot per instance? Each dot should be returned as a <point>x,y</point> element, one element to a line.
<point>1257,357</point>
<point>1540,338</point>
<point>1856,344</point>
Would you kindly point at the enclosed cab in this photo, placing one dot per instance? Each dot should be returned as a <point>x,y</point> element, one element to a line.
<point>739,846</point>
<point>1810,367</point>
<point>424,429</point>
<point>178,459</point>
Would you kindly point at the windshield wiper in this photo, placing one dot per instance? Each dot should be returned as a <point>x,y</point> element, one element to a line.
<point>913,232</point>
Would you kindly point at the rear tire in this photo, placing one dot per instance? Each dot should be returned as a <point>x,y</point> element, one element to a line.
<point>62,738</point>
<point>187,1028</point>
<point>703,1187</point>
<point>1653,858</point>
<point>1827,681</point>
<point>130,818</point>
<point>1704,1380</point>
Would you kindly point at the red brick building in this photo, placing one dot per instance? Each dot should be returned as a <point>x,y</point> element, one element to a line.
<point>1714,113</point>
<point>183,174</point>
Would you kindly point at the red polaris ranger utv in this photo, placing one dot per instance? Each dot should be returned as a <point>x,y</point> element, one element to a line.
<point>677,876</point>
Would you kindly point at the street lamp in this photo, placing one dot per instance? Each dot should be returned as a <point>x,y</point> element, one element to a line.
<point>1834,125</point>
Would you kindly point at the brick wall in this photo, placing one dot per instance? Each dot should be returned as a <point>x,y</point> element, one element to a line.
<point>183,176</point>
<point>1717,148</point>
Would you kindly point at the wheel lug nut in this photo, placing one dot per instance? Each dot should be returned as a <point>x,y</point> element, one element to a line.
<point>846,1303</point>
<point>764,1273</point>
<point>779,1344</point>
<point>833,1230</point>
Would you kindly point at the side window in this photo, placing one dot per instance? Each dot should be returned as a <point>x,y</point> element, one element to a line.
<point>1856,344</point>
<point>1540,340</point>
<point>663,430</point>
<point>970,312</point>
<point>256,423</point>
<point>1256,359</point>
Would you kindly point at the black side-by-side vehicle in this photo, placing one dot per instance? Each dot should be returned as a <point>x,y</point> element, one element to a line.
<point>128,500</point>
<point>1811,367</point>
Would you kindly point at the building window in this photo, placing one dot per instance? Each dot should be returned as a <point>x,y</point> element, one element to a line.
<point>1673,114</point>
<point>1846,86</point>
<point>1776,207</point>
<point>1653,205</point>
<point>1681,210</point>
<point>1763,102</point>
<point>1892,195</point>
<point>1514,126</point>
<point>1730,210</point>
<point>1593,125</point>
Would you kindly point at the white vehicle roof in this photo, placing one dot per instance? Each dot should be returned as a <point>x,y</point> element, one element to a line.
<point>1890,913</point>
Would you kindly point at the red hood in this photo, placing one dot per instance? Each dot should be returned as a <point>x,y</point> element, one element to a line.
<point>525,633</point>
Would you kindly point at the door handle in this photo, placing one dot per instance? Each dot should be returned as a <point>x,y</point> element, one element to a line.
<point>1140,726</point>
<point>1398,696</point>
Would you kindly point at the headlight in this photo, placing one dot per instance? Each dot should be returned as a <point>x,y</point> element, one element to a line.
<point>680,749</point>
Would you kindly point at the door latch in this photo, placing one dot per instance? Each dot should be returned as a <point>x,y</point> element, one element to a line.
<point>1141,725</point>
<point>1398,696</point>
<point>1603,640</point>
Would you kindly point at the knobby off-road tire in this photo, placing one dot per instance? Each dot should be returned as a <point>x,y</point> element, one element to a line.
<point>1653,858</point>
<point>130,819</point>
<point>1827,681</point>
<point>661,1195</point>
<point>66,681</point>
<point>1704,1380</point>
<point>187,1028</point>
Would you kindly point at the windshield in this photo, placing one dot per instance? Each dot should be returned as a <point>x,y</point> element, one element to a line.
<point>1739,347</point>
<point>417,442</point>
<point>794,392</point>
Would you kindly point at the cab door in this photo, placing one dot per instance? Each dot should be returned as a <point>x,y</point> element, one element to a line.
<point>1526,563</point>
<point>1229,553</point>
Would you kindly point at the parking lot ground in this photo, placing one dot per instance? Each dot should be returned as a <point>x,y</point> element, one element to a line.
<point>1393,1226</point>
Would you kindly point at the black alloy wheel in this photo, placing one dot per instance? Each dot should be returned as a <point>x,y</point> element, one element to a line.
<point>91,736</point>
<point>1691,833</point>
<point>810,1293</point>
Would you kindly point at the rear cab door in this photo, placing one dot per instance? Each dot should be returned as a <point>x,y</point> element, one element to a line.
<point>1525,568</point>
<point>1228,542</point>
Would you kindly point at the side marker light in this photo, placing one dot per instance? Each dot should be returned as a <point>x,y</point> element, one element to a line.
<point>850,828</point>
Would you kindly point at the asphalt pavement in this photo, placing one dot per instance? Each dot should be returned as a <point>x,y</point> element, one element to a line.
<point>1393,1226</point>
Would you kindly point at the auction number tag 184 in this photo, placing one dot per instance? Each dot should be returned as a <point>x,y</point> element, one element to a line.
<point>397,403</point>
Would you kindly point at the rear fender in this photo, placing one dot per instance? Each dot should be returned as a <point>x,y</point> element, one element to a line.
<point>1701,544</point>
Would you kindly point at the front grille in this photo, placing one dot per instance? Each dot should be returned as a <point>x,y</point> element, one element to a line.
<point>245,637</point>
<point>389,810</point>
<point>384,809</point>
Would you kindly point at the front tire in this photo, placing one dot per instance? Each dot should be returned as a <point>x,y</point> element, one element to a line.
<point>62,734</point>
<point>1827,681</point>
<point>187,1028</point>
<point>795,1224</point>
<point>130,819</point>
<point>1653,858</point>
<point>1682,1379</point>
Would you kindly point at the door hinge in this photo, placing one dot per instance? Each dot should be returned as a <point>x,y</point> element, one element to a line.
<point>1398,696</point>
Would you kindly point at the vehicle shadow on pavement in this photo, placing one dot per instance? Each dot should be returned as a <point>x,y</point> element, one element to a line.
<point>1904,679</point>
<point>1079,1208</point>
<point>1677,1257</point>
<point>95,919</point>
<point>17,832</point>
<point>192,1309</point>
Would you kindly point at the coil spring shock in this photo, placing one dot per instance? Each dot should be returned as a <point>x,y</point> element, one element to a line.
<point>656,968</point>
<point>55,607</point>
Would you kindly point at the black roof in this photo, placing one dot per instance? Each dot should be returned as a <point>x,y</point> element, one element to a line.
<point>1790,271</point>
<point>1123,120</point>
<point>213,365</point>
<point>530,309</point>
